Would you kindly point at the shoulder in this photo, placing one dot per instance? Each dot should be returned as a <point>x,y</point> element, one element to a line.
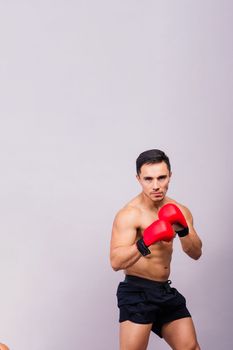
<point>128,214</point>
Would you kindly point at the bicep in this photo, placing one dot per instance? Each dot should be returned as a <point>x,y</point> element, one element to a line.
<point>124,231</point>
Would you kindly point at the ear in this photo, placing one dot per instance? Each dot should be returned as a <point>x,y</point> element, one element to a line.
<point>137,177</point>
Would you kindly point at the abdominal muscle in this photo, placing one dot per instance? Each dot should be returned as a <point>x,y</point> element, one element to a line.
<point>155,266</point>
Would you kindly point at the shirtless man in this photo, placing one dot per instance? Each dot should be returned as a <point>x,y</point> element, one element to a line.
<point>141,245</point>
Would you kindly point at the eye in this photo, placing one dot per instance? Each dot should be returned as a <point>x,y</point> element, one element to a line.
<point>162,177</point>
<point>148,179</point>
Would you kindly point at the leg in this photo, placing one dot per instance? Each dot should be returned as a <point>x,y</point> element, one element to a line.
<point>134,336</point>
<point>180,334</point>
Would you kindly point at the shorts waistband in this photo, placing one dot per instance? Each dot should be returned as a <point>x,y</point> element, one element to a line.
<point>144,282</point>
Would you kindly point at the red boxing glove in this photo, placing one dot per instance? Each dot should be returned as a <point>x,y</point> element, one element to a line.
<point>159,230</point>
<point>171,213</point>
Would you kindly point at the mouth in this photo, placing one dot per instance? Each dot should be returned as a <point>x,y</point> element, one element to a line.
<point>157,194</point>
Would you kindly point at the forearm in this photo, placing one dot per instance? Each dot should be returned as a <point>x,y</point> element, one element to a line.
<point>124,257</point>
<point>191,246</point>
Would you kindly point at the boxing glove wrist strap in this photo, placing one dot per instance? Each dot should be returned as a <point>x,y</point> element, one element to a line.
<point>143,249</point>
<point>184,232</point>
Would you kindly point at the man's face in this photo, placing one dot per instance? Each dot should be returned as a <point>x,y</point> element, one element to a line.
<point>154,179</point>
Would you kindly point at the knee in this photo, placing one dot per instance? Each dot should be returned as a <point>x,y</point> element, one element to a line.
<point>188,346</point>
<point>3,347</point>
<point>195,347</point>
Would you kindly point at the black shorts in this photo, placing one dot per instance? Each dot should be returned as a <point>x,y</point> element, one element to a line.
<point>144,301</point>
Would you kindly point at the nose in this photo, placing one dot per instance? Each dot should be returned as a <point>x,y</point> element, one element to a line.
<point>155,186</point>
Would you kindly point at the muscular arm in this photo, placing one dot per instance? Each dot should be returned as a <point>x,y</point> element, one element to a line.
<point>191,244</point>
<point>123,251</point>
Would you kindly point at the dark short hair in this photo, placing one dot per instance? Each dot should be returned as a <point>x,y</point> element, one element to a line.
<point>150,157</point>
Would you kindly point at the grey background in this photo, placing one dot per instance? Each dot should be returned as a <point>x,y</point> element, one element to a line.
<point>85,87</point>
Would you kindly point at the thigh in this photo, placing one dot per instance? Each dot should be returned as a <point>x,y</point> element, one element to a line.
<point>180,334</point>
<point>134,336</point>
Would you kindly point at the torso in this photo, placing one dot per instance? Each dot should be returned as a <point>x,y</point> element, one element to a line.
<point>155,266</point>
